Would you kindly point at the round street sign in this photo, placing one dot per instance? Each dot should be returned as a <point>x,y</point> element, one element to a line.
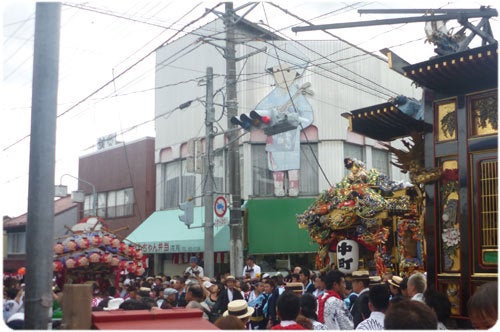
<point>220,206</point>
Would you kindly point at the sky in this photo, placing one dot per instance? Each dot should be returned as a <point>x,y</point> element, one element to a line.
<point>106,79</point>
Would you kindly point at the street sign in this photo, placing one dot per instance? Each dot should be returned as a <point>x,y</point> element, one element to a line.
<point>220,206</point>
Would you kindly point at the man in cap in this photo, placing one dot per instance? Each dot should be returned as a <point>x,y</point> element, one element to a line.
<point>359,309</point>
<point>169,295</point>
<point>251,271</point>
<point>194,270</point>
<point>228,294</point>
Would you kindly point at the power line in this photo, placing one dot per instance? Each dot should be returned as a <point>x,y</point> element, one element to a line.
<point>119,75</point>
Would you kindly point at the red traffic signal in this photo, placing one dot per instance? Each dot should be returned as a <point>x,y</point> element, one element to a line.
<point>252,121</point>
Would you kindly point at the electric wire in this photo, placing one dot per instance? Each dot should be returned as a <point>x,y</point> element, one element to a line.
<point>119,75</point>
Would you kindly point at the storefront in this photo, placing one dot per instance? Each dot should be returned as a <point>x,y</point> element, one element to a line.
<point>272,234</point>
<point>168,240</point>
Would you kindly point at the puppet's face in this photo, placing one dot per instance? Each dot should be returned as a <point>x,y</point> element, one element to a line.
<point>284,76</point>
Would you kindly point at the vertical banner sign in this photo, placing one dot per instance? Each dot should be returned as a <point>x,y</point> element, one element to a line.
<point>347,256</point>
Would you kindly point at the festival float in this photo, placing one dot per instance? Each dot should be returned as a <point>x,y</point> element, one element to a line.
<point>93,252</point>
<point>367,221</point>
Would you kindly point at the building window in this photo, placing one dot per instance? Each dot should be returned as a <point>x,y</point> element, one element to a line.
<point>262,177</point>
<point>488,211</point>
<point>111,204</point>
<point>380,161</point>
<point>178,183</point>
<point>16,243</point>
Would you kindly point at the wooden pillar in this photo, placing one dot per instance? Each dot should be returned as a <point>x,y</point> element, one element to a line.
<point>76,306</point>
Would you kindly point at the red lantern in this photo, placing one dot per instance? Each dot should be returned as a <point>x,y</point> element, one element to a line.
<point>71,245</point>
<point>94,257</point>
<point>83,242</point>
<point>57,266</point>
<point>107,258</point>
<point>124,248</point>
<point>115,260</point>
<point>70,263</point>
<point>115,243</point>
<point>21,271</point>
<point>140,271</point>
<point>123,265</point>
<point>131,267</point>
<point>131,250</point>
<point>82,261</point>
<point>106,239</point>
<point>58,248</point>
<point>96,240</point>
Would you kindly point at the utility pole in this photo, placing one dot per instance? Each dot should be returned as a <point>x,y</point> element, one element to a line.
<point>233,157</point>
<point>209,176</point>
<point>40,225</point>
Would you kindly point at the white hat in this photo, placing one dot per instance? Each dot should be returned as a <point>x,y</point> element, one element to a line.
<point>114,304</point>
<point>207,284</point>
<point>238,308</point>
<point>266,275</point>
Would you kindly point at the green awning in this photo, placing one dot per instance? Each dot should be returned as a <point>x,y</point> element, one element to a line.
<point>163,232</point>
<point>272,226</point>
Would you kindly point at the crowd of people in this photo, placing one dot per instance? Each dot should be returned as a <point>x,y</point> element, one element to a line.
<point>302,299</point>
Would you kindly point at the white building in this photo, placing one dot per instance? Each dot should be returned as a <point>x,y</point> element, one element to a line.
<point>342,76</point>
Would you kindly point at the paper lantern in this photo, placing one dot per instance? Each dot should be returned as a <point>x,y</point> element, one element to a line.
<point>347,256</point>
<point>115,260</point>
<point>71,245</point>
<point>115,243</point>
<point>82,261</point>
<point>140,271</point>
<point>70,263</point>
<point>131,267</point>
<point>58,248</point>
<point>106,239</point>
<point>107,258</point>
<point>123,265</point>
<point>94,257</point>
<point>123,248</point>
<point>96,240</point>
<point>83,242</point>
<point>131,250</point>
<point>57,266</point>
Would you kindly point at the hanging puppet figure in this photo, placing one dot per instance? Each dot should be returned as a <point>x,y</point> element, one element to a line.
<point>286,101</point>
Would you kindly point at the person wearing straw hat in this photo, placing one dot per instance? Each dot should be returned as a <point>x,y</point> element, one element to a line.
<point>359,309</point>
<point>226,295</point>
<point>240,309</point>
<point>395,287</point>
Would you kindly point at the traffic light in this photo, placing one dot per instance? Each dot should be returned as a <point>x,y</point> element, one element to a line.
<point>188,215</point>
<point>271,122</point>
<point>255,120</point>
